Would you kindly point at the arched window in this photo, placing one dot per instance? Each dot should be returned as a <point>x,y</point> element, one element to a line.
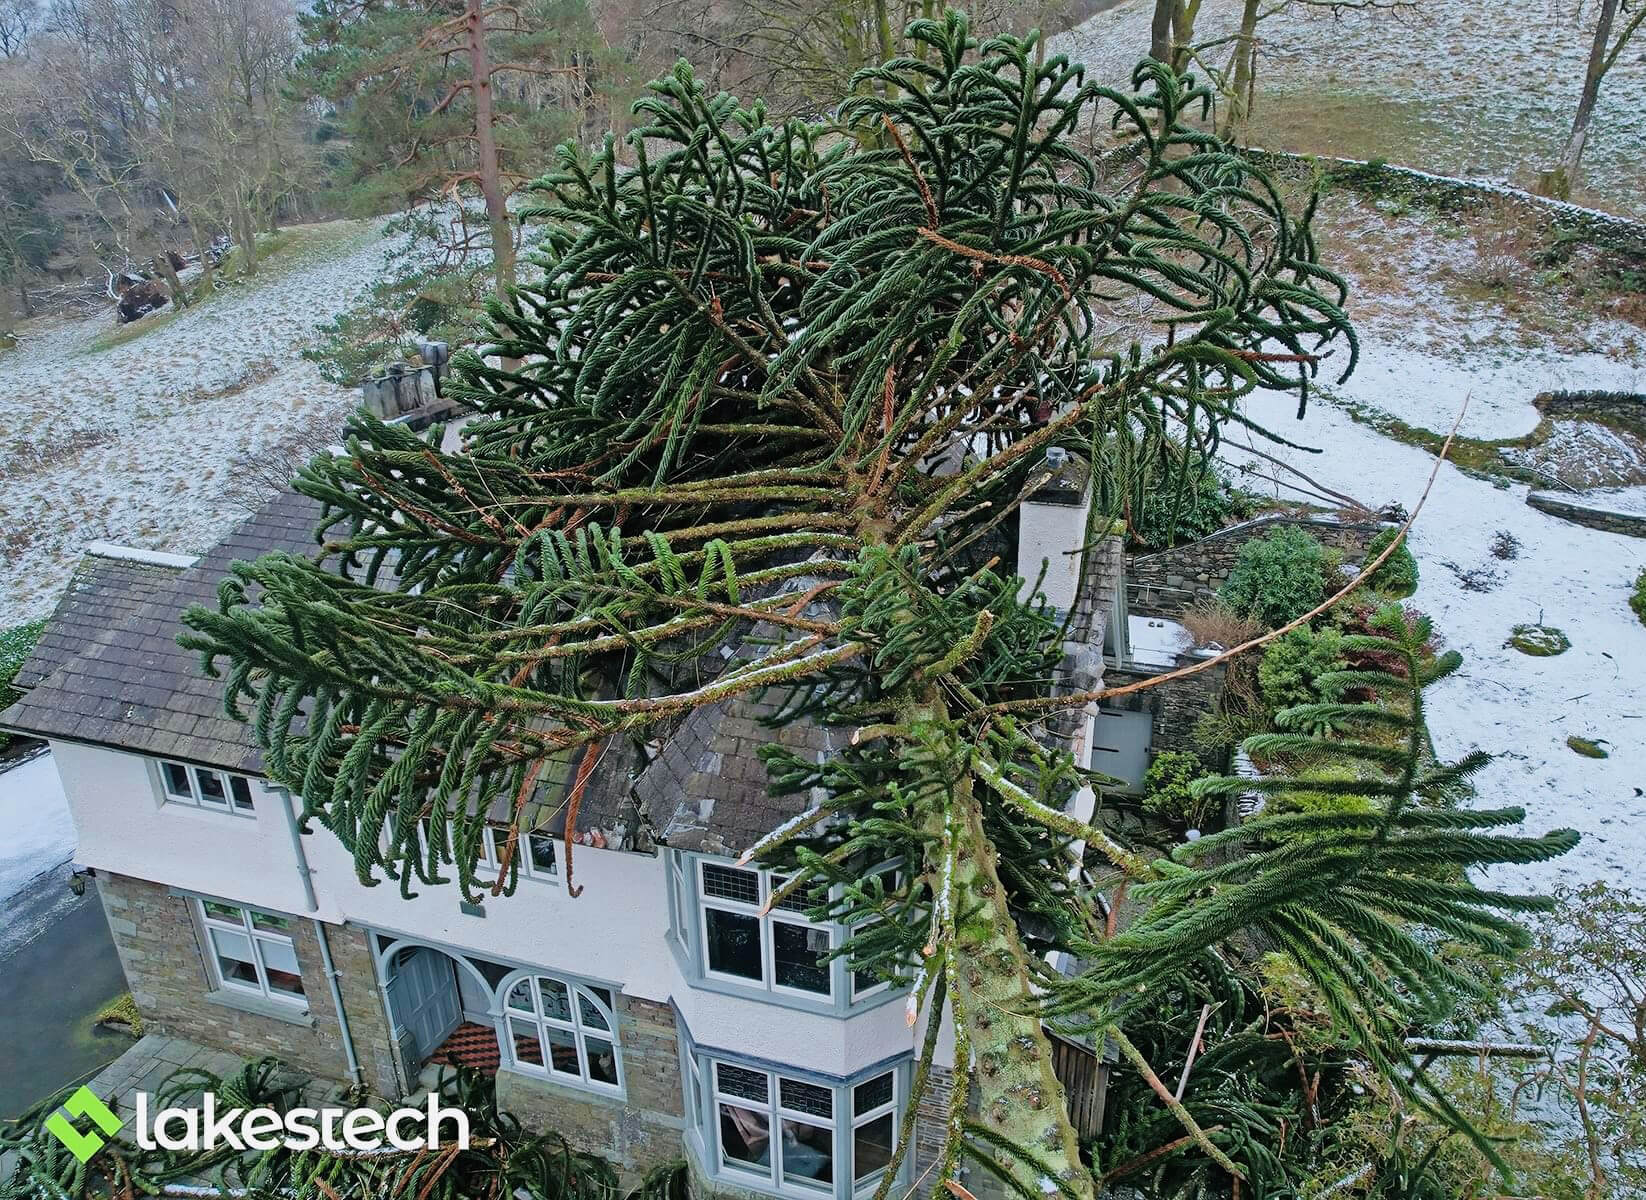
<point>565,1031</point>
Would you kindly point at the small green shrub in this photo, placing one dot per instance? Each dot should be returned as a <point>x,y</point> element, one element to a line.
<point>1540,641</point>
<point>1278,578</point>
<point>1166,790</point>
<point>1207,504</point>
<point>1398,576</point>
<point>1638,600</point>
<point>1292,666</point>
<point>1216,734</point>
<point>1588,747</point>
<point>16,644</point>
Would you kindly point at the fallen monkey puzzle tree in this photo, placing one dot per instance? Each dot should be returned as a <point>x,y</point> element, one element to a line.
<point>501,1159</point>
<point>778,389</point>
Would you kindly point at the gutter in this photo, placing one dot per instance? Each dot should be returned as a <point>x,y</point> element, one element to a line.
<point>306,874</point>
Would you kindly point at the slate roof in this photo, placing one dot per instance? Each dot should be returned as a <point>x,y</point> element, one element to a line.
<point>707,788</point>
<point>108,670</point>
<point>133,687</point>
<point>106,589</point>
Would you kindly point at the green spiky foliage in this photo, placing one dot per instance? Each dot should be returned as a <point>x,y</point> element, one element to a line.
<point>502,1159</point>
<point>781,387</point>
<point>1370,903</point>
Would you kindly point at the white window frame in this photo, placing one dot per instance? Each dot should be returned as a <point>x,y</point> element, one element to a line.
<point>857,1119</point>
<point>492,839</point>
<point>247,927</point>
<point>194,796</point>
<point>768,971</point>
<point>542,1021</point>
<point>842,1124</point>
<point>680,898</point>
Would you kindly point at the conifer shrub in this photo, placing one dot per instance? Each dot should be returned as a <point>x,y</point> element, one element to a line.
<point>1277,578</point>
<point>1166,791</point>
<point>1637,601</point>
<point>1398,576</point>
<point>1207,504</point>
<point>1292,667</point>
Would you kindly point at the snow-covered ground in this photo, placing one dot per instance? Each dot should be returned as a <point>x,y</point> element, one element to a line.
<point>1448,85</point>
<point>1518,708</point>
<point>133,443</point>
<point>36,833</point>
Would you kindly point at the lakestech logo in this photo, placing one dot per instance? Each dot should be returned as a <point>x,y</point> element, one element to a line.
<point>209,1127</point>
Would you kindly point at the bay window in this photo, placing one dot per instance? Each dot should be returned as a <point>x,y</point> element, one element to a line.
<point>782,950</point>
<point>795,1135</point>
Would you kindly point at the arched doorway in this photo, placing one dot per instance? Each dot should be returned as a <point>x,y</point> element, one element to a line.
<point>442,1008</point>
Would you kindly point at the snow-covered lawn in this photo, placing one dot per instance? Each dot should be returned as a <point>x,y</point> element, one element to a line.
<point>1448,85</point>
<point>1518,708</point>
<point>133,443</point>
<point>36,833</point>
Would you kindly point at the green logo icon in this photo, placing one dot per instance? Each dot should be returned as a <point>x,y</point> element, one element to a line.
<point>84,1103</point>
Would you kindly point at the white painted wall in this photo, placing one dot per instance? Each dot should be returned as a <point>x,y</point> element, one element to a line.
<point>123,827</point>
<point>615,931</point>
<point>1046,534</point>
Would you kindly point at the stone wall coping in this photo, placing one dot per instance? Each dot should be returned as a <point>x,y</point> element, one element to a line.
<point>1319,520</point>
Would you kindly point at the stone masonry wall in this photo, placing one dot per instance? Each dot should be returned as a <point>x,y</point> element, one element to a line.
<point>1624,235</point>
<point>636,1134</point>
<point>1165,583</point>
<point>163,953</point>
<point>1587,512</point>
<point>1174,707</point>
<point>1622,408</point>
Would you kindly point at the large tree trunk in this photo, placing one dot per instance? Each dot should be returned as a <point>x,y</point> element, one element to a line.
<point>491,180</point>
<point>1239,97</point>
<point>161,264</point>
<point>8,321</point>
<point>246,230</point>
<point>1573,157</point>
<point>1160,30</point>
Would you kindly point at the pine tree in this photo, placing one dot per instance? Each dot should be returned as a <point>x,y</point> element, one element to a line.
<point>742,360</point>
<point>452,97</point>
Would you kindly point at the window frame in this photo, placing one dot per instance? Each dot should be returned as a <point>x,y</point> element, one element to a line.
<point>490,850</point>
<point>768,945</point>
<point>248,929</point>
<point>229,783</point>
<point>704,1098</point>
<point>543,1022</point>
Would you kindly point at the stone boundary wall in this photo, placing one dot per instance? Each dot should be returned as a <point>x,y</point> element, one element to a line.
<point>1624,235</point>
<point>1625,408</point>
<point>1167,582</point>
<point>1566,506</point>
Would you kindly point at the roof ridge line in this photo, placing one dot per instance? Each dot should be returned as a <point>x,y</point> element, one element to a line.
<point>156,558</point>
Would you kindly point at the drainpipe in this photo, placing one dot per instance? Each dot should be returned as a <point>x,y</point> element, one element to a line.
<point>307,876</point>
<point>337,1000</point>
<point>303,871</point>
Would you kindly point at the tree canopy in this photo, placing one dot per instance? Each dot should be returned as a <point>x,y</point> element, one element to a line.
<point>780,386</point>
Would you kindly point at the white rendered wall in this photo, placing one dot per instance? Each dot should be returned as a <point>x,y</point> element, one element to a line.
<point>615,932</point>
<point>123,828</point>
<point>1046,534</point>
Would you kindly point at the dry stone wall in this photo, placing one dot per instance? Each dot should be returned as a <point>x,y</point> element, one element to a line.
<point>1167,582</point>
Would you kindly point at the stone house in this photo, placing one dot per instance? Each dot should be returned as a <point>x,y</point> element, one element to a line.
<point>663,1011</point>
